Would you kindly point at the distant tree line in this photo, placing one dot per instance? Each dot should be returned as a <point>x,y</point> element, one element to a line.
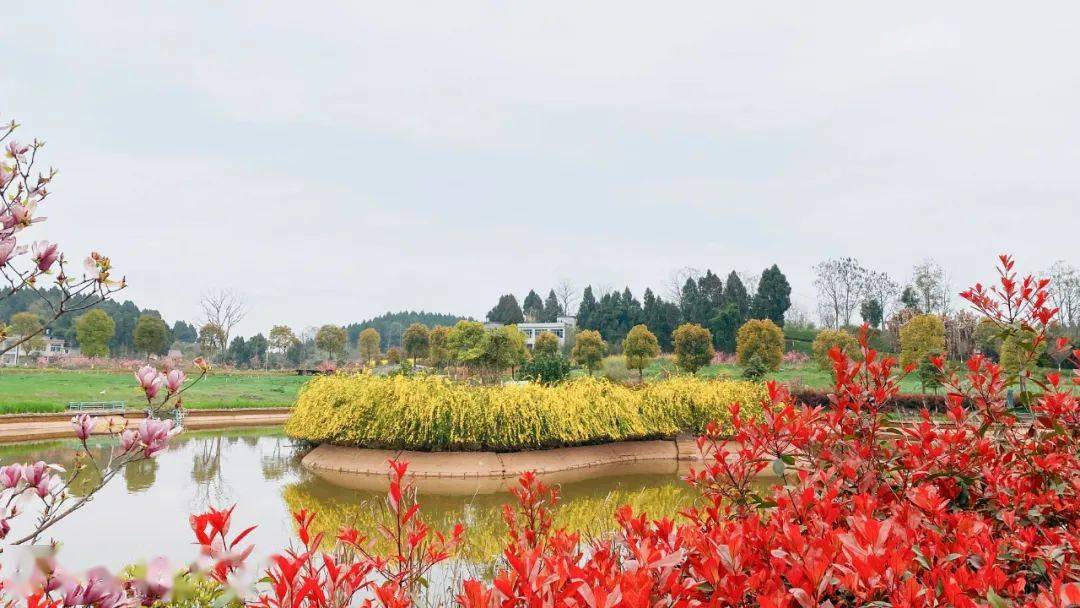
<point>721,305</point>
<point>391,326</point>
<point>125,337</point>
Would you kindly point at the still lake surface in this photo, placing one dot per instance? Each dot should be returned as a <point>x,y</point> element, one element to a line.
<point>144,512</point>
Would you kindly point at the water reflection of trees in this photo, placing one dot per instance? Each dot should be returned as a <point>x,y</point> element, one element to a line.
<point>586,507</point>
<point>280,461</point>
<point>139,476</point>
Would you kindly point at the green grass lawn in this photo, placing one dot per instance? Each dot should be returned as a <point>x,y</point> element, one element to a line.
<point>51,390</point>
<point>807,375</point>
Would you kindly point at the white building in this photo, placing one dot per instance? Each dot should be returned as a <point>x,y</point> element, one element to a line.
<point>562,328</point>
<point>52,348</point>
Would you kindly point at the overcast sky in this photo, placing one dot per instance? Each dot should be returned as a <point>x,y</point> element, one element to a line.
<point>332,161</point>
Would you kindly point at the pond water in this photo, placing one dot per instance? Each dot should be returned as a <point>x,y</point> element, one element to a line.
<point>144,512</point>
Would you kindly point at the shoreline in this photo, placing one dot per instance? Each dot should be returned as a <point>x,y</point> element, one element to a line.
<point>16,428</point>
<point>349,461</point>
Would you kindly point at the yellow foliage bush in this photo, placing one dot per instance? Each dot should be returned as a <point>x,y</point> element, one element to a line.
<point>435,414</point>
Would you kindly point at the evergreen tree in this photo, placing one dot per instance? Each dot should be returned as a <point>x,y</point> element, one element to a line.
<point>694,306</point>
<point>238,353</point>
<point>725,327</point>
<point>506,311</point>
<point>552,308</point>
<point>185,332</point>
<point>910,299</point>
<point>773,297</point>
<point>711,289</point>
<point>661,317</point>
<point>632,312</point>
<point>735,293</point>
<point>587,310</point>
<point>871,312</point>
<point>257,347</point>
<point>533,308</point>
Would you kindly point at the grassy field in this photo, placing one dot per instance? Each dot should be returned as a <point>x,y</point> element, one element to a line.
<point>807,375</point>
<point>51,390</point>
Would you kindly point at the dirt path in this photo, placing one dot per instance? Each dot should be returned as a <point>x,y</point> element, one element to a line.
<point>36,427</point>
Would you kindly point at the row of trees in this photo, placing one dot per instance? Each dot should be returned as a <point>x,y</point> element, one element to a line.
<point>722,305</point>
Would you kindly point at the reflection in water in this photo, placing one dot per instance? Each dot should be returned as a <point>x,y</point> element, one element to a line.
<point>140,475</point>
<point>258,470</point>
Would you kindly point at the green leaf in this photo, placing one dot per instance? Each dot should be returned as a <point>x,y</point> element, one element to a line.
<point>996,600</point>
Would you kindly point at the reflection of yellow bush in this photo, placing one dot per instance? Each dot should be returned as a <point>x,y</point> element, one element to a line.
<point>431,413</point>
<point>586,510</point>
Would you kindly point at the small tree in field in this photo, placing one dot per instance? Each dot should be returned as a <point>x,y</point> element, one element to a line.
<point>761,339</point>
<point>331,339</point>
<point>693,347</point>
<point>546,343</point>
<point>211,340</point>
<point>438,348</point>
<point>93,330</point>
<point>640,348</point>
<point>370,343</point>
<point>282,339</point>
<point>151,335</point>
<point>589,350</point>
<point>921,337</point>
<point>28,324</point>
<point>826,340</point>
<point>416,341</point>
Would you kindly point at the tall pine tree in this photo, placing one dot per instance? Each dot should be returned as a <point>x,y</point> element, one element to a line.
<point>773,297</point>
<point>735,293</point>
<point>552,308</point>
<point>533,307</point>
<point>506,311</point>
<point>587,310</point>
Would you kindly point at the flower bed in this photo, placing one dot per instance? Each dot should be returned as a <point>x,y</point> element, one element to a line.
<point>435,414</point>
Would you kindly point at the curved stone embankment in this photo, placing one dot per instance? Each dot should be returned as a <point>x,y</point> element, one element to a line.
<point>467,472</point>
<point>37,427</point>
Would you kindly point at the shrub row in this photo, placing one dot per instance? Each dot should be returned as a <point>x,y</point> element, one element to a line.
<point>434,414</point>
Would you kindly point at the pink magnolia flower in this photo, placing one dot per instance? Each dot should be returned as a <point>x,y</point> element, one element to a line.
<point>101,590</point>
<point>45,254</point>
<point>17,150</point>
<point>154,435</point>
<point>129,439</point>
<point>22,216</point>
<point>11,475</point>
<point>84,425</point>
<point>174,380</point>
<point>9,249</point>
<point>37,475</point>
<point>150,380</point>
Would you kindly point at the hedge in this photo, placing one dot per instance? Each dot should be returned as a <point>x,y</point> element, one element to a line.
<point>435,414</point>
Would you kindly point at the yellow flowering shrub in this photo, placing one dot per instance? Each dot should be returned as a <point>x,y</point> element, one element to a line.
<point>436,414</point>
